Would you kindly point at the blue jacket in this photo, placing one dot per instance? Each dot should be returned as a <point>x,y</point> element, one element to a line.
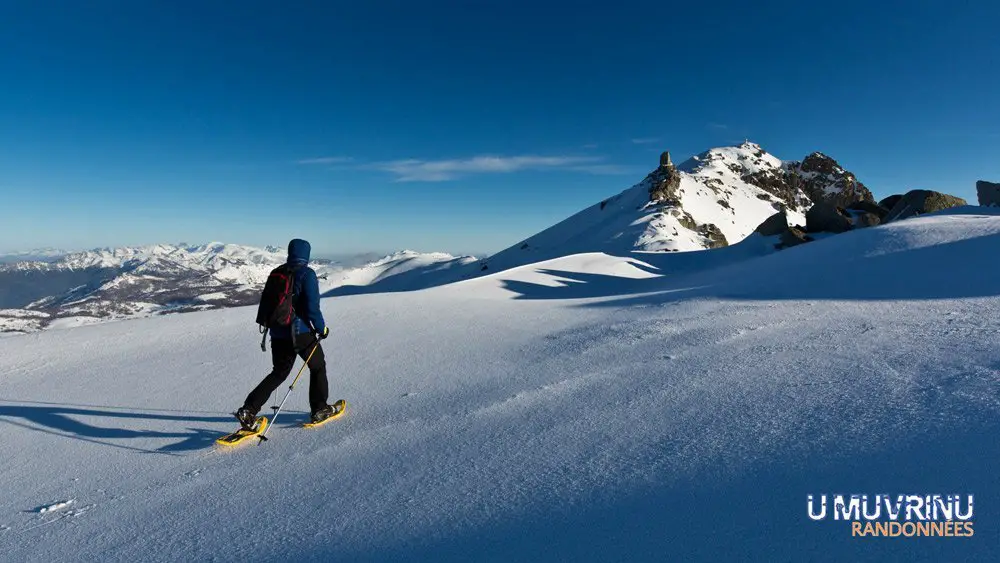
<point>308,317</point>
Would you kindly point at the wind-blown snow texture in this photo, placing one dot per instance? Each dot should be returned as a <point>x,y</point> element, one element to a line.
<point>586,408</point>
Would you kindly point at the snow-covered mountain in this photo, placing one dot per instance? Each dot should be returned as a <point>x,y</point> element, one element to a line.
<point>105,284</point>
<point>713,199</point>
<point>35,255</point>
<point>586,408</point>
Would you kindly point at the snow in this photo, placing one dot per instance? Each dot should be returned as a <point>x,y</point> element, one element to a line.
<point>401,271</point>
<point>21,320</point>
<point>711,191</point>
<point>649,407</point>
<point>56,506</point>
<point>75,321</point>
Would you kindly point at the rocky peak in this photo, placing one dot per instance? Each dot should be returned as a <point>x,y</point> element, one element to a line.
<point>823,179</point>
<point>821,164</point>
<point>664,181</point>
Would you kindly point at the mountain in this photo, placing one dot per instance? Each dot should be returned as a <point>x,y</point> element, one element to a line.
<point>110,284</point>
<point>712,200</point>
<point>586,408</point>
<point>36,255</point>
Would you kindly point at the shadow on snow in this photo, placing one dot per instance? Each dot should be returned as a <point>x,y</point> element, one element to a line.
<point>818,271</point>
<point>63,420</point>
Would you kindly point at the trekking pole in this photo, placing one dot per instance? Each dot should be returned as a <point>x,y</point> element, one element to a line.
<point>277,409</point>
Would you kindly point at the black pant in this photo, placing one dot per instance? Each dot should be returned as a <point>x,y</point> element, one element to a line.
<point>283,354</point>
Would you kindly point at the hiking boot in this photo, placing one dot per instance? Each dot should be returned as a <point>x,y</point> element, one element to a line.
<point>247,418</point>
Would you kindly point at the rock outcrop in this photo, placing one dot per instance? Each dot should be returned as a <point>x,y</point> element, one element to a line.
<point>777,226</point>
<point>816,179</point>
<point>783,184</point>
<point>714,238</point>
<point>824,180</point>
<point>664,182</point>
<point>827,218</point>
<point>865,206</point>
<point>890,202</point>
<point>793,236</point>
<point>865,219</point>
<point>919,202</point>
<point>988,193</point>
<point>774,225</point>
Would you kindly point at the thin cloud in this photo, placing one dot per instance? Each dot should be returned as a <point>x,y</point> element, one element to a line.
<point>645,140</point>
<point>415,170</point>
<point>590,146</point>
<point>606,169</point>
<point>325,160</point>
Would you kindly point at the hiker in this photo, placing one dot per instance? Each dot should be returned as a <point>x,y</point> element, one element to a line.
<point>303,331</point>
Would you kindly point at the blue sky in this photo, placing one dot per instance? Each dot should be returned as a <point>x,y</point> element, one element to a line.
<point>457,126</point>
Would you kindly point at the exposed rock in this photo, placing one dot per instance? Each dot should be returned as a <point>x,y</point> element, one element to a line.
<point>788,236</point>
<point>782,184</point>
<point>685,219</point>
<point>827,218</point>
<point>918,202</point>
<point>869,207</point>
<point>823,179</point>
<point>816,179</point>
<point>774,225</point>
<point>713,236</point>
<point>664,181</point>
<point>988,192</point>
<point>793,236</point>
<point>866,219</point>
<point>890,201</point>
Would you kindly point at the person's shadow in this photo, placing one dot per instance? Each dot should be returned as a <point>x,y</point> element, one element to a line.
<point>64,420</point>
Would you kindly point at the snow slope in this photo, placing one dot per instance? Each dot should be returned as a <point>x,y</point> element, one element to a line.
<point>589,408</point>
<point>403,271</point>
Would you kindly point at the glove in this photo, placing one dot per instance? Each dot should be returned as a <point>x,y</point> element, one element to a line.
<point>324,334</point>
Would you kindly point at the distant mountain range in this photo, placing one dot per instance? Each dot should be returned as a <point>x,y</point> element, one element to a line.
<point>712,200</point>
<point>36,255</point>
<point>109,284</point>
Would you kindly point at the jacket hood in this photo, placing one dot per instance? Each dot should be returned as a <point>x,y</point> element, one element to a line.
<point>298,251</point>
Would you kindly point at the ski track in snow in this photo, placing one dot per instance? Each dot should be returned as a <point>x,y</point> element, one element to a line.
<point>627,426</point>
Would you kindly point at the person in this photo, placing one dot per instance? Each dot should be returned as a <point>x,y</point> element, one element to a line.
<point>297,339</point>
